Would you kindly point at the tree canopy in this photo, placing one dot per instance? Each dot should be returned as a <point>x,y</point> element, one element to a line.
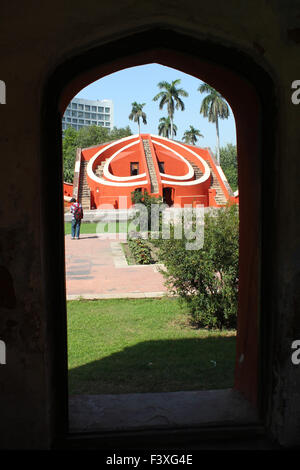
<point>228,161</point>
<point>170,96</point>
<point>138,114</point>
<point>214,107</point>
<point>190,136</point>
<point>164,127</point>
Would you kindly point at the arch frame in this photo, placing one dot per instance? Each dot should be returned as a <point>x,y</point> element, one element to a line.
<point>246,85</point>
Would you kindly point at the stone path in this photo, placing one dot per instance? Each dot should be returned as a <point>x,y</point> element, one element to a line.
<point>96,268</point>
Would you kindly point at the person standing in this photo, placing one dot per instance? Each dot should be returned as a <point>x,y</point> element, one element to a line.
<point>77,215</point>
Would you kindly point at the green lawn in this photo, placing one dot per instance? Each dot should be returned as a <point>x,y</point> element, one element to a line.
<point>144,345</point>
<point>91,227</point>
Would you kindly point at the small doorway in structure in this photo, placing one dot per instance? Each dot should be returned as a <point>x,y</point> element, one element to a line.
<point>167,196</point>
<point>161,166</point>
<point>134,168</point>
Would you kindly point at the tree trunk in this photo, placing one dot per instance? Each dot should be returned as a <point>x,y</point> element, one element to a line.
<point>218,140</point>
<point>171,119</point>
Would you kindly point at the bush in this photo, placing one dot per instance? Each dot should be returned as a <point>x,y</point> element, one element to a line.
<point>139,197</point>
<point>207,279</point>
<point>140,251</point>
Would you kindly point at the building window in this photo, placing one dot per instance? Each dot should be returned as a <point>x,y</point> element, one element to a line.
<point>87,115</point>
<point>81,121</point>
<point>80,106</point>
<point>100,109</point>
<point>100,123</point>
<point>74,120</point>
<point>88,122</point>
<point>80,114</point>
<point>107,110</point>
<point>74,113</point>
<point>94,116</point>
<point>94,108</point>
<point>107,117</point>
<point>74,105</point>
<point>107,124</point>
<point>87,107</point>
<point>68,119</point>
<point>94,123</point>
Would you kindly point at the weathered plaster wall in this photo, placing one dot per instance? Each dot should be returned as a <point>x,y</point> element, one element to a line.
<point>35,37</point>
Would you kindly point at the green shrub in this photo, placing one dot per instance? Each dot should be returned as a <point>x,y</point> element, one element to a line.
<point>228,160</point>
<point>139,197</point>
<point>140,251</point>
<point>207,279</point>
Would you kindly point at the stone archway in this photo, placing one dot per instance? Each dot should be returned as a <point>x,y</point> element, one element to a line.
<point>248,90</point>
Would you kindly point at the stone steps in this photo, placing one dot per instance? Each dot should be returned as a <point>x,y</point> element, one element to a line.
<point>197,172</point>
<point>99,169</point>
<point>84,193</point>
<point>150,164</point>
<point>219,197</point>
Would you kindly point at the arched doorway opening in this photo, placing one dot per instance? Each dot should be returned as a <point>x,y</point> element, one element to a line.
<point>249,91</point>
<point>167,196</point>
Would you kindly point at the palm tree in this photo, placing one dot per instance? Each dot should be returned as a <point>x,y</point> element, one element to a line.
<point>164,127</point>
<point>170,95</point>
<point>137,113</point>
<point>190,136</point>
<point>214,107</point>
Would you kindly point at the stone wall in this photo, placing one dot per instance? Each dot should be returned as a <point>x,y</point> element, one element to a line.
<point>36,39</point>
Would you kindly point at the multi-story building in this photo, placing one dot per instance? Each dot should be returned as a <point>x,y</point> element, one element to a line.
<point>81,112</point>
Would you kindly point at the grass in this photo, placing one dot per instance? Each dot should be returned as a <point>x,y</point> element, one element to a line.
<point>144,345</point>
<point>92,227</point>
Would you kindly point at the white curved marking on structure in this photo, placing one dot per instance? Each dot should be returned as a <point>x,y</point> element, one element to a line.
<point>95,178</point>
<point>203,178</point>
<point>188,175</point>
<point>110,176</point>
<point>221,173</point>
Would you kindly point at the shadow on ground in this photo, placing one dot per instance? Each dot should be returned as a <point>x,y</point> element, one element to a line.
<point>165,365</point>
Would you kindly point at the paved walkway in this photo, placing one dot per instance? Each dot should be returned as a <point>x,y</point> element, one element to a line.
<point>96,268</point>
